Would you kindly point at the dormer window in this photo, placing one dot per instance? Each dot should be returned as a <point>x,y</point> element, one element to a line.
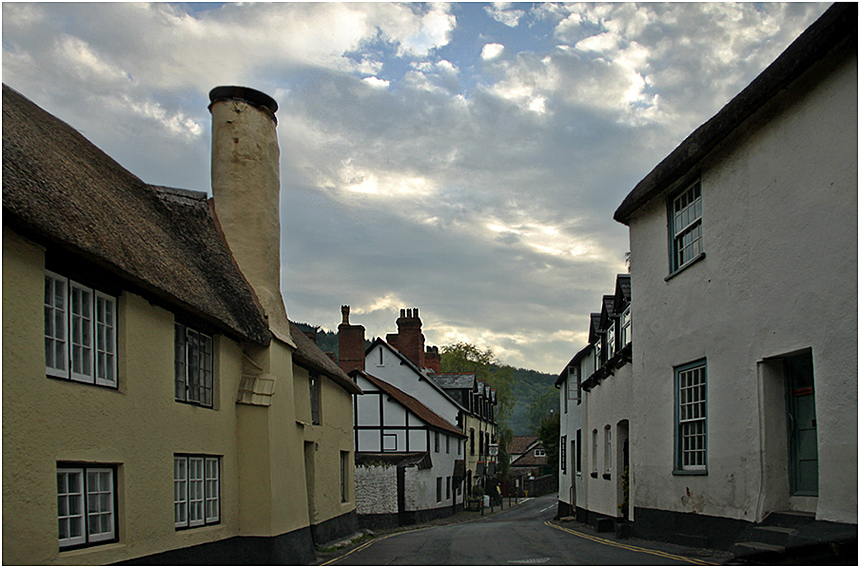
<point>626,327</point>
<point>610,341</point>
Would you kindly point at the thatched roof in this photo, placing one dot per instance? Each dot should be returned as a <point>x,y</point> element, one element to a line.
<point>59,189</point>
<point>310,356</point>
<point>836,25</point>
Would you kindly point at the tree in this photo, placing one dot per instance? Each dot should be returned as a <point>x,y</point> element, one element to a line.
<point>541,407</point>
<point>548,433</point>
<point>464,357</point>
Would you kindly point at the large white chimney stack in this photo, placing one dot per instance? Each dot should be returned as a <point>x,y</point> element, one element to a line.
<point>246,186</point>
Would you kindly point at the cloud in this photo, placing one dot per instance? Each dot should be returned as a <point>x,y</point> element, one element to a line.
<point>492,50</point>
<point>504,13</point>
<point>430,156</point>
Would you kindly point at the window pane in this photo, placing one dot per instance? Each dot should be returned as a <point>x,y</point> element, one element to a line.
<point>105,334</point>
<point>55,325</point>
<point>82,332</point>
<point>179,361</point>
<point>70,507</point>
<point>212,490</point>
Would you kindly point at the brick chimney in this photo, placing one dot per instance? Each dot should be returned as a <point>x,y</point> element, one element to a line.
<point>246,187</point>
<point>350,340</point>
<point>432,359</point>
<point>409,340</point>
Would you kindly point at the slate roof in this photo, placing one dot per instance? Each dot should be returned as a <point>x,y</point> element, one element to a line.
<point>310,356</point>
<point>622,293</point>
<point>454,380</point>
<point>593,328</point>
<point>61,190</point>
<point>837,24</point>
<point>433,420</point>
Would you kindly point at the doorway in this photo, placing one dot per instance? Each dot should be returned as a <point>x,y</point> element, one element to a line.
<point>802,425</point>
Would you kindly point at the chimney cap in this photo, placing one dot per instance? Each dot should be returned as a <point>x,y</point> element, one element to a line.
<point>247,94</point>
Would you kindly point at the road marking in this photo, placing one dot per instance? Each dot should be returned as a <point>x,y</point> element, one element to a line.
<point>530,561</point>
<point>368,543</point>
<point>631,547</point>
<point>550,507</point>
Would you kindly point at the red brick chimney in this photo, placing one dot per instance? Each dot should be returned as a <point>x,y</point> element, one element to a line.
<point>432,359</point>
<point>350,340</point>
<point>409,340</point>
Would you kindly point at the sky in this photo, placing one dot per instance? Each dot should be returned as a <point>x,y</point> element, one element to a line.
<point>461,158</point>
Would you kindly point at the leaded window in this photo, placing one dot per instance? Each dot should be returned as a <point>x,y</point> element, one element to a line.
<point>192,366</point>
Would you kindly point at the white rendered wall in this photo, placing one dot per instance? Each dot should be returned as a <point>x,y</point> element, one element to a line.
<point>571,421</point>
<point>406,379</point>
<point>607,404</point>
<point>780,235</point>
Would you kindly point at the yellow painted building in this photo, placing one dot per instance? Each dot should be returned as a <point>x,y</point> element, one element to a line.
<point>158,407</point>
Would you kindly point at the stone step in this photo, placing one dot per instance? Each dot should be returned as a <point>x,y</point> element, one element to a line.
<point>790,519</point>
<point>759,550</point>
<point>771,535</point>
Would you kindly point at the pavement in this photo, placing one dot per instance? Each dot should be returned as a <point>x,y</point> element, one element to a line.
<point>330,552</point>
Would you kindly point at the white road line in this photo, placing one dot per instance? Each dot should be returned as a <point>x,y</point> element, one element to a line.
<point>550,507</point>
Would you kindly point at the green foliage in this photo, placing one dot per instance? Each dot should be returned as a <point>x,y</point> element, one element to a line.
<point>548,432</point>
<point>528,385</point>
<point>541,407</point>
<point>503,464</point>
<point>464,357</point>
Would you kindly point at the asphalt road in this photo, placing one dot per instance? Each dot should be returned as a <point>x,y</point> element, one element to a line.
<point>521,536</point>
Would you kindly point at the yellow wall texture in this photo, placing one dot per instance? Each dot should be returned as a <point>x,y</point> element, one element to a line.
<point>139,427</point>
<point>323,445</point>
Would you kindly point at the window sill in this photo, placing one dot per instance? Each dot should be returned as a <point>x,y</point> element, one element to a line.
<point>685,267</point>
<point>92,548</point>
<point>690,472</point>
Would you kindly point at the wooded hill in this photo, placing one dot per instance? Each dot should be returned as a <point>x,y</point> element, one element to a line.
<point>534,392</point>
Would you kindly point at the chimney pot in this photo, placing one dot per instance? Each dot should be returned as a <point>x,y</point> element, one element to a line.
<point>344,310</point>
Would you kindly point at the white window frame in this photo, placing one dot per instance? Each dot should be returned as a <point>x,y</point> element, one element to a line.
<point>607,449</point>
<point>691,418</point>
<point>686,221</point>
<point>93,500</point>
<point>610,341</point>
<point>193,380</point>
<point>196,491</point>
<point>80,324</point>
<point>626,327</point>
<point>540,453</point>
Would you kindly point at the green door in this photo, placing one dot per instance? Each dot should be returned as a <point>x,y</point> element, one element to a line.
<point>802,431</point>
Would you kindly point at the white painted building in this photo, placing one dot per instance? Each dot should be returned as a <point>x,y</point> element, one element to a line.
<point>572,495</point>
<point>743,249</point>
<point>409,460</point>
<point>597,388</point>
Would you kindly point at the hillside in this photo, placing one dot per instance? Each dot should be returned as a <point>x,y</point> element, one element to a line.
<point>528,386</point>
